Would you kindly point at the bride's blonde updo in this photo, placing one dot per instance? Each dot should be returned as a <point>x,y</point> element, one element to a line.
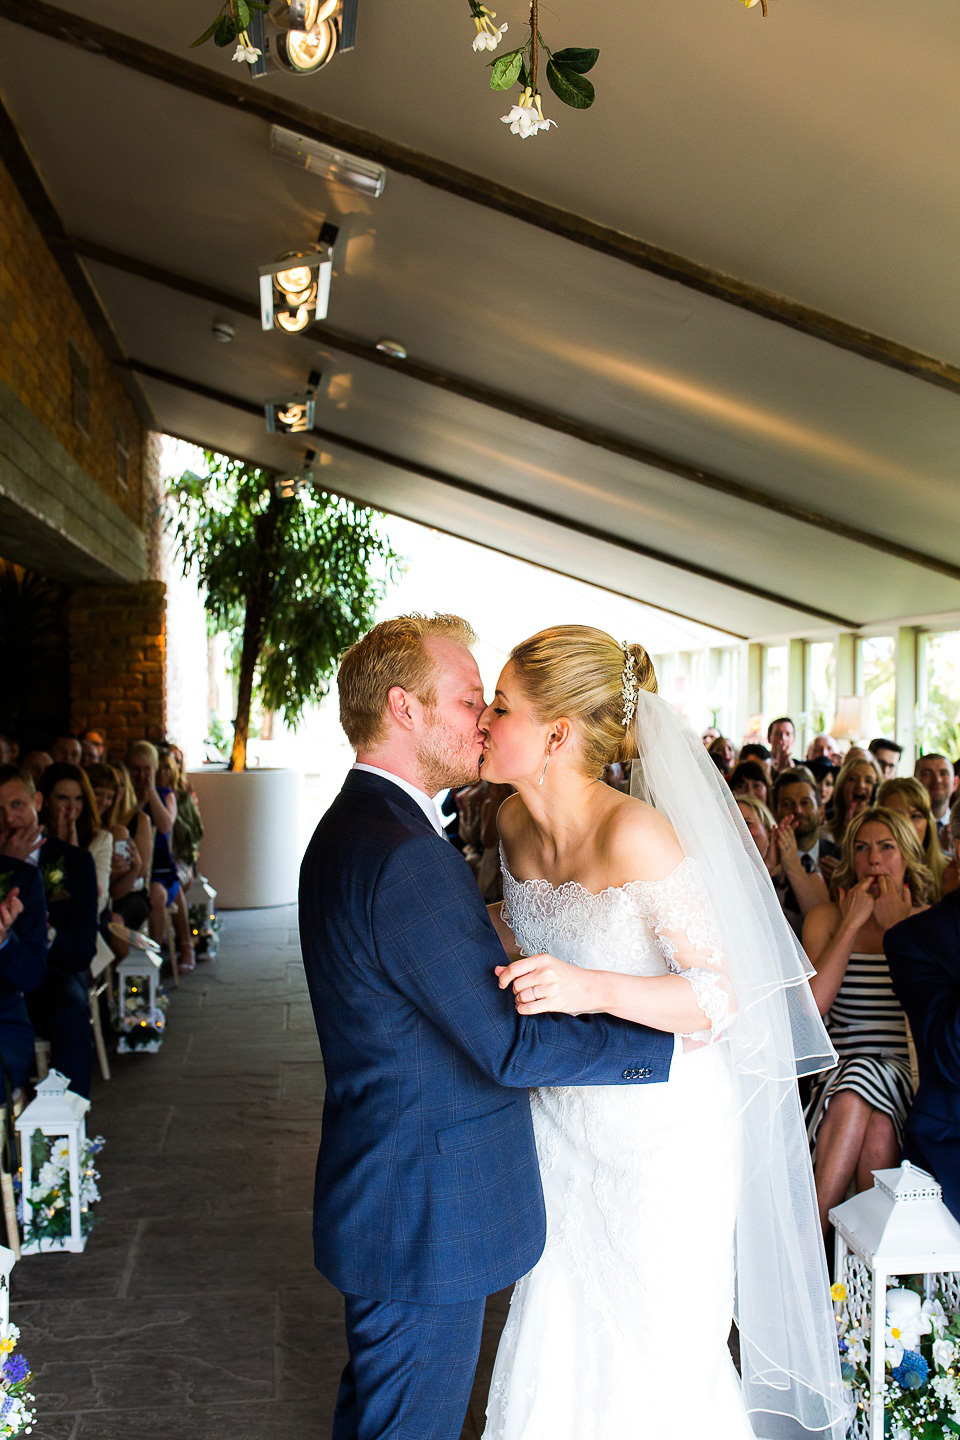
<point>577,672</point>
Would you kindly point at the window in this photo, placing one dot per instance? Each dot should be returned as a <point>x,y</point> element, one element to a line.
<point>877,669</point>
<point>938,691</point>
<point>820,700</point>
<point>79,389</point>
<point>774,681</point>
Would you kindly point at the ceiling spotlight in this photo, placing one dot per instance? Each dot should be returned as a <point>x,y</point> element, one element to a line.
<point>295,289</point>
<point>393,348</point>
<point>289,485</point>
<point>293,414</point>
<point>223,331</point>
<point>304,52</point>
<point>327,162</point>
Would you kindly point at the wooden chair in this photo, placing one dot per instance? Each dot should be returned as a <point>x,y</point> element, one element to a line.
<point>6,1184</point>
<point>99,986</point>
<point>170,935</point>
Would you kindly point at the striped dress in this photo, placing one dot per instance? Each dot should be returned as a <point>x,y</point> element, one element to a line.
<point>869,1032</point>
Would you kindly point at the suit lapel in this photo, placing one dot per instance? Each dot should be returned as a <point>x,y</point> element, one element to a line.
<point>360,782</point>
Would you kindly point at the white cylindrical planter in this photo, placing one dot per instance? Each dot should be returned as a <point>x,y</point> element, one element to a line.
<point>250,850</point>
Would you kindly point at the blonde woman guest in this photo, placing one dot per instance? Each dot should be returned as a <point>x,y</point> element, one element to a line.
<point>185,848</point>
<point>762,826</point>
<point>856,1112</point>
<point>855,790</point>
<point>908,797</point>
<point>132,846</point>
<point>160,808</point>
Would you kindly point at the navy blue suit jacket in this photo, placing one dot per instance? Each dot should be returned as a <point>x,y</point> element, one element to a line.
<point>74,909</point>
<point>924,957</point>
<point>23,965</point>
<point>427,1184</point>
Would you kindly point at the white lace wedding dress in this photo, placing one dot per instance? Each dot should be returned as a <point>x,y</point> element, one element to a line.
<point>620,1331</point>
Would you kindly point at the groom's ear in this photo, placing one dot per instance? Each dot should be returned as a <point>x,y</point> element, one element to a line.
<point>400,706</point>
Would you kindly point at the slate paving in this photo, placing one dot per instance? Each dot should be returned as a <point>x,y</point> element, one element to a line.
<point>195,1310</point>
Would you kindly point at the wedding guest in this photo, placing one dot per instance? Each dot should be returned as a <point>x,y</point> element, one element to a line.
<point>856,1112</point>
<point>617,776</point>
<point>723,754</point>
<point>855,790</point>
<point>821,747</point>
<point>762,827</point>
<point>23,963</point>
<point>935,773</point>
<point>752,751</point>
<point>909,798</point>
<point>132,849</point>
<point>160,809</point>
<point>59,1007</point>
<point>750,778</point>
<point>185,848</point>
<point>489,875</point>
<point>67,750</point>
<point>924,958</point>
<point>709,735</point>
<point>799,847</point>
<point>825,774</point>
<point>887,755</point>
<point>93,748</point>
<point>70,812</point>
<point>781,737</point>
<point>8,749</point>
<point>35,762</point>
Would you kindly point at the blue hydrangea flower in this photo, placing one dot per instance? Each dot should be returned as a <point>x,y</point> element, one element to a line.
<point>15,1369</point>
<point>5,1408</point>
<point>912,1371</point>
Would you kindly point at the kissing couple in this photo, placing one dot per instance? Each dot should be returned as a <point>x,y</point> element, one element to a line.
<point>590,1091</point>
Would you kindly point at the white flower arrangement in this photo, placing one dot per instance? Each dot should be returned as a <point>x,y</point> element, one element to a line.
<point>566,71</point>
<point>921,1391</point>
<point>50,1196</point>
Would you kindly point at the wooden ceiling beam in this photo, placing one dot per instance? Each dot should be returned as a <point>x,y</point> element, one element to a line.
<point>524,410</point>
<point>251,99</point>
<point>496,497</point>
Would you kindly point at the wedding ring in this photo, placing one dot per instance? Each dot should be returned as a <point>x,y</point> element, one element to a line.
<point>534,993</point>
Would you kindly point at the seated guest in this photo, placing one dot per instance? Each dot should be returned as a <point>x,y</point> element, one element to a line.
<point>23,961</point>
<point>709,735</point>
<point>132,849</point>
<point>821,747</point>
<point>59,1008</point>
<point>185,848</point>
<point>762,827</point>
<point>8,749</point>
<point>924,958</point>
<point>910,799</point>
<point>781,737</point>
<point>856,1112</point>
<point>751,751</point>
<point>855,790</point>
<point>749,778</point>
<point>825,774</point>
<point>93,748</point>
<point>67,750</point>
<point>887,755</point>
<point>70,813</point>
<point>160,809</point>
<point>935,773</point>
<point>801,852</point>
<point>723,754</point>
<point>35,762</point>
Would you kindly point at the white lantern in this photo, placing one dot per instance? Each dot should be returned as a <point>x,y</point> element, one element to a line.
<point>899,1228</point>
<point>140,1014</point>
<point>53,1213</point>
<point>7,1262</point>
<point>201,899</point>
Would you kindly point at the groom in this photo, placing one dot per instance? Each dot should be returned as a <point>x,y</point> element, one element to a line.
<point>428,1190</point>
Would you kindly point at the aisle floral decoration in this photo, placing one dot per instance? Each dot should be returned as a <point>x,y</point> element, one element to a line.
<point>16,1416</point>
<point>141,1026</point>
<point>566,71</point>
<point>205,929</point>
<point>921,1392</point>
<point>50,1201</point>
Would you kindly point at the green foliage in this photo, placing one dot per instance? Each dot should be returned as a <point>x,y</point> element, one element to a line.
<point>569,86</point>
<point>506,68</point>
<point>574,58</point>
<point>303,576</point>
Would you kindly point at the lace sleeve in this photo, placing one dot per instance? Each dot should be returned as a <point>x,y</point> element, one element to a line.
<point>681,917</point>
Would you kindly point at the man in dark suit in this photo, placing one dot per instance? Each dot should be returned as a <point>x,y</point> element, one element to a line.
<point>796,808</point>
<point>428,1193</point>
<point>23,962</point>
<point>60,1007</point>
<point>924,957</point>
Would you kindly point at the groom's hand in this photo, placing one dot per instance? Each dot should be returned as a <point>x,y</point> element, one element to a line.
<point>542,984</point>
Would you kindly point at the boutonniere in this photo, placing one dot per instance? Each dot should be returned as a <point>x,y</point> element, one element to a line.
<point>54,875</point>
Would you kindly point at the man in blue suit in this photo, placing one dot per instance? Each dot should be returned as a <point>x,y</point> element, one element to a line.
<point>23,963</point>
<point>428,1192</point>
<point>924,957</point>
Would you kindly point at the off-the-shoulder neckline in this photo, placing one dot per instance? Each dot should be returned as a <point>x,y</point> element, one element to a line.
<point>540,882</point>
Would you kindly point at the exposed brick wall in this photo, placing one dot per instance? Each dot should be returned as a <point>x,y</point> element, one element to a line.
<point>38,317</point>
<point>117,662</point>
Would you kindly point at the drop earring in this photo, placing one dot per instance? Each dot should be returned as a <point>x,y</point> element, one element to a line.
<point>544,770</point>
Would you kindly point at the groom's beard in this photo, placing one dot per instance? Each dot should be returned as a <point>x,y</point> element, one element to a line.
<point>447,759</point>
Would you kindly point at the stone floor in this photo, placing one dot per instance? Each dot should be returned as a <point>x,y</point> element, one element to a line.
<point>195,1310</point>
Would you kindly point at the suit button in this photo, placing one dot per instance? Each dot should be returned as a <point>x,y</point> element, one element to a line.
<point>629,1074</point>
<point>644,1074</point>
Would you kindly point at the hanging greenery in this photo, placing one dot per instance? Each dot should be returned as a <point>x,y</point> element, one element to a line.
<point>566,71</point>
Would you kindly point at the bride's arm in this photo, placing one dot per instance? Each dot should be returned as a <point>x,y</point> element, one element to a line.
<point>504,933</point>
<point>678,912</point>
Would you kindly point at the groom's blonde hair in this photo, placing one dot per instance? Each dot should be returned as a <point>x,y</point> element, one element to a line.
<point>392,653</point>
<point>577,671</point>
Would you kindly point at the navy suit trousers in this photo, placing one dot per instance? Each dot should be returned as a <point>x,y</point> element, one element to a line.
<point>410,1370</point>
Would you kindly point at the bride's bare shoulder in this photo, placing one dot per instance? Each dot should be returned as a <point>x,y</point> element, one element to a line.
<point>512,819</point>
<point>639,843</point>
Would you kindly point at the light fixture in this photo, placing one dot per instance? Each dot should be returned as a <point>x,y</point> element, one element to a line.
<point>309,34</point>
<point>291,482</point>
<point>304,52</point>
<point>293,414</point>
<point>393,348</point>
<point>328,162</point>
<point>295,289</point>
<point>856,718</point>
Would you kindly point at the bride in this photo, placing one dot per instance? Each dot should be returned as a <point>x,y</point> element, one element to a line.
<point>671,1209</point>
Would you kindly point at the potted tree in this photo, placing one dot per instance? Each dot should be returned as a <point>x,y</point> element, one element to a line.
<point>297,577</point>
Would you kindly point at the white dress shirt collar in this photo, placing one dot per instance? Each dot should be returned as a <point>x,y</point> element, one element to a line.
<point>422,798</point>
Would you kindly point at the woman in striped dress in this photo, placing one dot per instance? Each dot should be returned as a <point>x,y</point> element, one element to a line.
<point>857,1110</point>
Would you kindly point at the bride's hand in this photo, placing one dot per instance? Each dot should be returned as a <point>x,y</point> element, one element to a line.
<point>542,984</point>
